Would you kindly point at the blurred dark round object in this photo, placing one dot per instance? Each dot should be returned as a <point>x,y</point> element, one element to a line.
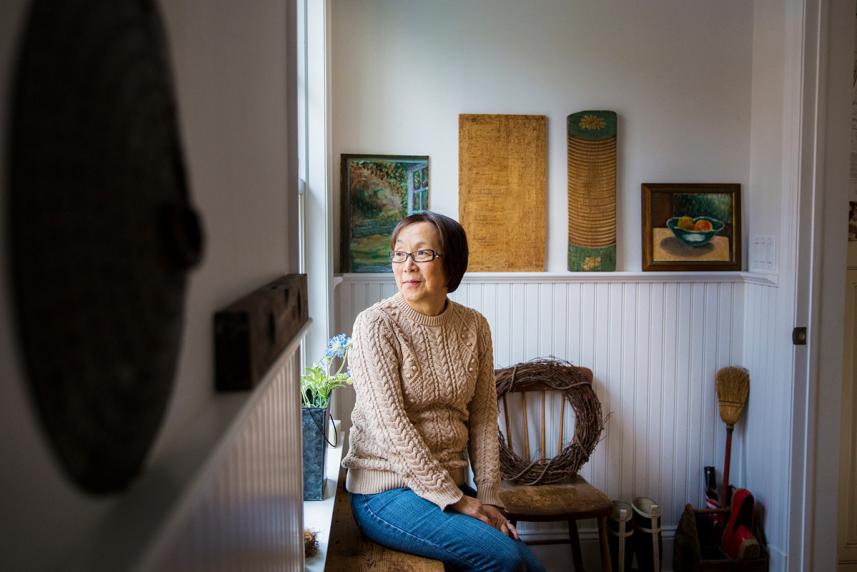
<point>102,231</point>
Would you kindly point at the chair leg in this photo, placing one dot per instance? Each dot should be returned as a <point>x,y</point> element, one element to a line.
<point>575,546</point>
<point>605,548</point>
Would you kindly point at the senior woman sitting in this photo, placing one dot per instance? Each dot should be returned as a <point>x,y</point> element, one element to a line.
<point>423,373</point>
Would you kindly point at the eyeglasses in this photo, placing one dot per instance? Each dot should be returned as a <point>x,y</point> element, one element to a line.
<point>422,255</point>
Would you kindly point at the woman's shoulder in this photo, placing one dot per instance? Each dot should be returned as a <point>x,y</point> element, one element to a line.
<point>376,325</point>
<point>378,313</point>
<point>471,316</point>
<point>476,324</point>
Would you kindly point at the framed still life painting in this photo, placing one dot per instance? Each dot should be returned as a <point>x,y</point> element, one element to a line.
<point>377,192</point>
<point>693,226</point>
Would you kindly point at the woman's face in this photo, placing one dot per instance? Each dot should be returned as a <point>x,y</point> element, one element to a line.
<point>423,284</point>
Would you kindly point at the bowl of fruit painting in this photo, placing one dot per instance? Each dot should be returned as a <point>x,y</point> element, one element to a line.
<point>692,226</point>
<point>695,231</point>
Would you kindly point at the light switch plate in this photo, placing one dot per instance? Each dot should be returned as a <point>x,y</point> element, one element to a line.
<point>762,254</point>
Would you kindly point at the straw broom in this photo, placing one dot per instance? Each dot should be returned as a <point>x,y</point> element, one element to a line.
<point>733,389</point>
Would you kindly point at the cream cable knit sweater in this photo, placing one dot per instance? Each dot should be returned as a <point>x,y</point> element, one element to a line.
<point>425,392</point>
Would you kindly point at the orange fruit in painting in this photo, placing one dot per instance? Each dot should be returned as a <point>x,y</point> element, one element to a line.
<point>685,223</point>
<point>702,225</point>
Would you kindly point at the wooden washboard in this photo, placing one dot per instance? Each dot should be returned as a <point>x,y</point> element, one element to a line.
<point>502,178</point>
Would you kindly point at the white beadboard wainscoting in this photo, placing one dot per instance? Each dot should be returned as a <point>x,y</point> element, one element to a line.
<point>227,496</point>
<point>244,511</point>
<point>653,341</point>
<point>765,429</point>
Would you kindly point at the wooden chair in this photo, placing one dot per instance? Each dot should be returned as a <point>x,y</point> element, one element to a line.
<point>566,501</point>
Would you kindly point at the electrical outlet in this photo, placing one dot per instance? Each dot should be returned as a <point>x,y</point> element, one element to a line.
<point>762,254</point>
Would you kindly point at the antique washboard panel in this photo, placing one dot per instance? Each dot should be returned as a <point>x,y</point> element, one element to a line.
<point>592,191</point>
<point>502,174</point>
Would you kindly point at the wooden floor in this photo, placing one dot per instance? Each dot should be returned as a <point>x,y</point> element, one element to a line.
<point>349,551</point>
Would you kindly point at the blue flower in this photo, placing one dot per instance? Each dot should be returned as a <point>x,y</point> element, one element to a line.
<point>318,382</point>
<point>337,346</point>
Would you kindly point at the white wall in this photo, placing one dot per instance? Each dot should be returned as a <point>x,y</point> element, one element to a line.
<point>677,72</point>
<point>767,420</point>
<point>701,92</point>
<point>762,204</point>
<point>230,61</point>
<point>230,65</point>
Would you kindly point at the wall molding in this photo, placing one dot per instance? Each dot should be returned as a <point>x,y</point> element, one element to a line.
<point>556,531</point>
<point>762,279</point>
<point>556,534</point>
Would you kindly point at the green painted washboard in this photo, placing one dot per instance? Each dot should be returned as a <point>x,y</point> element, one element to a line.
<point>592,191</point>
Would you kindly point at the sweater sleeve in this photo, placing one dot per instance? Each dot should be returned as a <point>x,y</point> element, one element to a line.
<point>377,383</point>
<point>483,446</point>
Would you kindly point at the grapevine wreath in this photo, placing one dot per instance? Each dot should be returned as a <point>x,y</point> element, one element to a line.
<point>576,386</point>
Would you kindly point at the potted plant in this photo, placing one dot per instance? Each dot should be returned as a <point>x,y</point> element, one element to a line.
<point>317,384</point>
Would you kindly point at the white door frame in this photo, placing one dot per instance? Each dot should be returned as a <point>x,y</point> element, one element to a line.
<point>818,65</point>
<point>313,157</point>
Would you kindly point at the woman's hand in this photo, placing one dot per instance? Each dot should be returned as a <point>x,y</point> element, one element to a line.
<point>489,514</point>
<point>497,517</point>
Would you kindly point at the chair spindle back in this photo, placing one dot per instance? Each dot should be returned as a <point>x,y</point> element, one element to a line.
<point>524,389</point>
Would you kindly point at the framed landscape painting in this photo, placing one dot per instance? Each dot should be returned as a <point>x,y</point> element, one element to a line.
<point>691,226</point>
<point>377,192</point>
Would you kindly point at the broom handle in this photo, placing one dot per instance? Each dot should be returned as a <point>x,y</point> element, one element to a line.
<point>725,499</point>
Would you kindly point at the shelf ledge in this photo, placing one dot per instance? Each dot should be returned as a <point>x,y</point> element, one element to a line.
<point>762,279</point>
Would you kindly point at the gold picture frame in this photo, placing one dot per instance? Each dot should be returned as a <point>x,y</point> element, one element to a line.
<point>691,226</point>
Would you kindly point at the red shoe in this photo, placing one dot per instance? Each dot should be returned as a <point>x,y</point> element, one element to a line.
<point>743,545</point>
<point>738,540</point>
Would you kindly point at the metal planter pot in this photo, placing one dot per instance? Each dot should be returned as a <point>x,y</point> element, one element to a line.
<point>314,423</point>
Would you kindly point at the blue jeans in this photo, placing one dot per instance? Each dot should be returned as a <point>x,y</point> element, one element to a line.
<point>404,521</point>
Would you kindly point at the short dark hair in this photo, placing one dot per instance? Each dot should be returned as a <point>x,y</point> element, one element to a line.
<point>453,243</point>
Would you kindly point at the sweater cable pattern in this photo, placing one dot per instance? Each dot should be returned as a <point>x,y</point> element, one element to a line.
<point>426,398</point>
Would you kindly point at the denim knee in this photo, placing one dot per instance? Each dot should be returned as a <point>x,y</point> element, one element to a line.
<point>507,559</point>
